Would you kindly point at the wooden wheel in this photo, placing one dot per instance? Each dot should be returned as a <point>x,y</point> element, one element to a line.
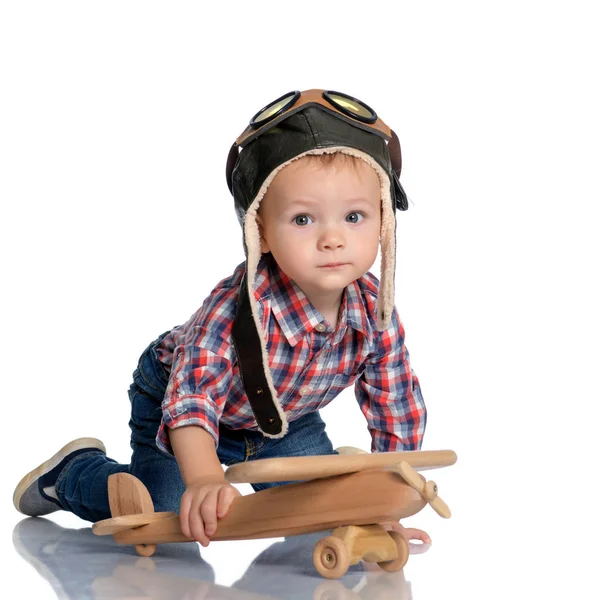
<point>398,563</point>
<point>145,549</point>
<point>331,557</point>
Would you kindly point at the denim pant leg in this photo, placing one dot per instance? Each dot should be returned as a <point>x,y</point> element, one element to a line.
<point>82,486</point>
<point>306,436</point>
<point>158,471</point>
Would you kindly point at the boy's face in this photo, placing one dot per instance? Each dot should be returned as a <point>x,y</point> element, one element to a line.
<point>322,223</point>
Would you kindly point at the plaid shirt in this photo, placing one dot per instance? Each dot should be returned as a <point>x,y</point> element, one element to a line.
<point>309,361</point>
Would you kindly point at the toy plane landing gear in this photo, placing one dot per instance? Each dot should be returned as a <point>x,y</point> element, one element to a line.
<point>348,545</point>
<point>348,496</point>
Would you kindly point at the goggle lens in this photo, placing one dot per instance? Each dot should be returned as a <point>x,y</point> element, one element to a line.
<point>351,106</point>
<point>348,107</point>
<point>273,109</point>
<point>342,103</point>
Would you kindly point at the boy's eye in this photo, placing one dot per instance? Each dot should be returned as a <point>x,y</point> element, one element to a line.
<point>302,220</point>
<point>354,217</point>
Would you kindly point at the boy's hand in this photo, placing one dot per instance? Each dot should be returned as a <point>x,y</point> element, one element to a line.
<point>202,504</point>
<point>408,534</point>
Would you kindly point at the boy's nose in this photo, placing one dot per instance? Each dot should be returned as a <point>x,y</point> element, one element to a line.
<point>331,239</point>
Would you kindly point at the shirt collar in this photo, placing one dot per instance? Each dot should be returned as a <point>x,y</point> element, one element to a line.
<point>296,315</point>
<point>354,313</point>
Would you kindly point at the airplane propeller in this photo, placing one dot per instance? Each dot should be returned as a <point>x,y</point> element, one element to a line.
<point>427,489</point>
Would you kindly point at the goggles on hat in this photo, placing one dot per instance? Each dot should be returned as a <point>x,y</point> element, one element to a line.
<point>350,109</point>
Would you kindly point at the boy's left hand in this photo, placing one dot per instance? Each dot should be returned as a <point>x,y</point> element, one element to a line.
<point>409,534</point>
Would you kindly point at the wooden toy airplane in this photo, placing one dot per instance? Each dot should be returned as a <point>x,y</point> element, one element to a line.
<point>351,493</point>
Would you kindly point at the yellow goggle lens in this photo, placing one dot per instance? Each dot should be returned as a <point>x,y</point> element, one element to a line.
<point>351,105</point>
<point>272,109</point>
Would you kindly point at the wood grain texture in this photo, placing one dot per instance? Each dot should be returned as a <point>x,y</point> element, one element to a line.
<point>371,542</point>
<point>127,495</point>
<point>125,522</point>
<point>427,489</point>
<point>303,468</point>
<point>360,498</point>
<point>402,552</point>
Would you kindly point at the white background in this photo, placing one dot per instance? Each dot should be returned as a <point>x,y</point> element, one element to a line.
<point>115,123</point>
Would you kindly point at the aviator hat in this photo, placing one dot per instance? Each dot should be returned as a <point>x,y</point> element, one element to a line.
<point>293,126</point>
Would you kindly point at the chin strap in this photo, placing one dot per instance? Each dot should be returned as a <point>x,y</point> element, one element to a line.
<point>248,349</point>
<point>395,153</point>
<point>231,160</point>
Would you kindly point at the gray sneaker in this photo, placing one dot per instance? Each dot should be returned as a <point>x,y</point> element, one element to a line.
<point>34,496</point>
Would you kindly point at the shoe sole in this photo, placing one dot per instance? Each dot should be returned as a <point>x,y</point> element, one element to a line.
<point>78,444</point>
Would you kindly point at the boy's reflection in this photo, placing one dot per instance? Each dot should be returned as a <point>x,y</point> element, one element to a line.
<point>80,565</point>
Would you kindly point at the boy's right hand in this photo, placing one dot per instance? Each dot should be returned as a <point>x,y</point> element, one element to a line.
<point>202,504</point>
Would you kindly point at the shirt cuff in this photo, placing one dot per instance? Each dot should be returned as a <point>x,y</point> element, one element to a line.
<point>184,411</point>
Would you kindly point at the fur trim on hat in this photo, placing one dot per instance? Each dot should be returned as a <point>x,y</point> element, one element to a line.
<point>385,300</point>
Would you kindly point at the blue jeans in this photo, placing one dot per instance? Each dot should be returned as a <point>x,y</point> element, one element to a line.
<point>82,486</point>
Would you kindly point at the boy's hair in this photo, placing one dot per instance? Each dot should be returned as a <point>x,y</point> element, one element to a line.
<point>334,159</point>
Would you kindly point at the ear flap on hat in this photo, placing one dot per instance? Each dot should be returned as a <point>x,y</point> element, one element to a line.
<point>399,194</point>
<point>269,413</point>
<point>232,157</point>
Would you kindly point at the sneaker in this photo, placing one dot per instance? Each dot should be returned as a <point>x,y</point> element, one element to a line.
<point>35,495</point>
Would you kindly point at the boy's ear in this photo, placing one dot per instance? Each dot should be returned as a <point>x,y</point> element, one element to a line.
<point>264,246</point>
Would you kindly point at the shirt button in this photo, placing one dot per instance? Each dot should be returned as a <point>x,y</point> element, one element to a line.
<point>321,327</point>
<point>305,390</point>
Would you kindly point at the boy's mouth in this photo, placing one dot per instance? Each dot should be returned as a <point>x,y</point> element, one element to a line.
<point>333,265</point>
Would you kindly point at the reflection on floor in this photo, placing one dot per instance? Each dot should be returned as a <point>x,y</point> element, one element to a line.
<point>79,565</point>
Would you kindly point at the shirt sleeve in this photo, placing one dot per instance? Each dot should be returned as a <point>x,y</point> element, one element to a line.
<point>389,394</point>
<point>201,372</point>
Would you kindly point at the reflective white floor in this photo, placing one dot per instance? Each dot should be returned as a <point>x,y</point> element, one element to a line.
<point>520,535</point>
<point>72,563</point>
<point>110,157</point>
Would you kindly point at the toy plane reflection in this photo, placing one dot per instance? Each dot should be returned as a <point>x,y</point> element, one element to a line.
<point>81,566</point>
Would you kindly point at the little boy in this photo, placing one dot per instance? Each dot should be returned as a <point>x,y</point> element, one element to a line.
<point>315,187</point>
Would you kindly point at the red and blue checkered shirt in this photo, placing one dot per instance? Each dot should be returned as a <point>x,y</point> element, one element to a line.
<point>310,364</point>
